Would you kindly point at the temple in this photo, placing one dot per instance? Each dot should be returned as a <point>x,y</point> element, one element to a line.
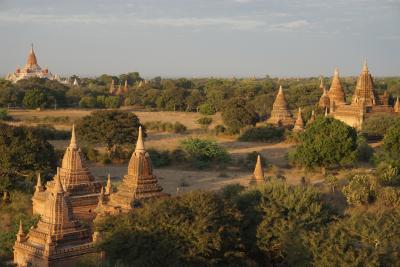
<point>364,102</point>
<point>280,114</point>
<point>31,69</point>
<point>76,180</point>
<point>58,239</point>
<point>258,174</point>
<point>120,90</point>
<point>140,183</point>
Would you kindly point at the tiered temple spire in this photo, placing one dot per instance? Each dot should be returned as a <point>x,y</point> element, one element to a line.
<point>336,93</point>
<point>324,101</point>
<point>280,113</point>
<point>364,94</point>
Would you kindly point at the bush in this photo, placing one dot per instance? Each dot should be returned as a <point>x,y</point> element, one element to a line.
<point>388,175</point>
<point>179,128</point>
<point>159,158</point>
<point>364,151</point>
<point>207,109</point>
<point>159,126</point>
<point>90,153</point>
<point>391,144</point>
<point>203,153</point>
<point>267,133</point>
<point>4,115</point>
<point>205,121</point>
<point>219,129</point>
<point>389,196</point>
<point>376,126</point>
<point>48,132</point>
<point>360,190</point>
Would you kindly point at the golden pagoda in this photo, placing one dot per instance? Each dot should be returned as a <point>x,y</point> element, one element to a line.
<point>324,101</point>
<point>336,93</point>
<point>111,91</point>
<point>31,69</point>
<point>364,103</point>
<point>258,174</point>
<point>312,117</point>
<point>138,184</point>
<point>280,114</point>
<point>76,180</point>
<point>126,89</point>
<point>397,105</point>
<point>299,124</point>
<point>58,239</point>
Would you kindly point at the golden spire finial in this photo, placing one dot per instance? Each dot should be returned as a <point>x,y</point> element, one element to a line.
<point>39,181</point>
<point>73,143</point>
<point>321,82</point>
<point>21,229</point>
<point>326,112</point>
<point>365,66</point>
<point>139,143</point>
<point>258,170</point>
<point>336,73</point>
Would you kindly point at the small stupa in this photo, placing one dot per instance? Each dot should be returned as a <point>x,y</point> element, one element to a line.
<point>324,101</point>
<point>138,184</point>
<point>58,239</point>
<point>258,174</point>
<point>280,114</point>
<point>364,93</point>
<point>397,105</point>
<point>299,124</point>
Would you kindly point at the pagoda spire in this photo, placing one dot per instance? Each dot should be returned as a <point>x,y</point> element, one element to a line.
<point>139,143</point>
<point>108,186</point>
<point>21,229</point>
<point>365,66</point>
<point>321,82</point>
<point>397,105</point>
<point>73,143</point>
<point>336,93</point>
<point>39,186</point>
<point>258,174</point>
<point>58,186</point>
<point>280,113</point>
<point>299,124</point>
<point>32,57</point>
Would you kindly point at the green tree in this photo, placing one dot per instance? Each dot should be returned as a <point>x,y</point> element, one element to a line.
<point>238,114</point>
<point>391,144</point>
<point>109,127</point>
<point>326,142</point>
<point>194,229</point>
<point>34,98</point>
<point>24,153</point>
<point>360,190</point>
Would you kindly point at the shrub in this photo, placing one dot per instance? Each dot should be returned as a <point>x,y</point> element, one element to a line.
<point>360,190</point>
<point>391,144</point>
<point>388,175</point>
<point>48,132</point>
<point>389,196</point>
<point>207,109</point>
<point>159,158</point>
<point>159,126</point>
<point>219,129</point>
<point>267,133</point>
<point>204,152</point>
<point>205,121</point>
<point>4,115</point>
<point>88,102</point>
<point>376,126</point>
<point>90,153</point>
<point>364,151</point>
<point>179,128</point>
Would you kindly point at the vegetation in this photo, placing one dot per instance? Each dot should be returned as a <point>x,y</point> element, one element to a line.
<point>169,127</point>
<point>325,143</point>
<point>391,143</point>
<point>203,153</point>
<point>238,114</point>
<point>111,128</point>
<point>268,133</point>
<point>376,126</point>
<point>205,122</point>
<point>24,153</point>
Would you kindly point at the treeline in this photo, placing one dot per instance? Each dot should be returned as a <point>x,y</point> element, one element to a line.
<point>207,95</point>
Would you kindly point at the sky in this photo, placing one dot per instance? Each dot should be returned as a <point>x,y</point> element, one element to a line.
<point>202,38</point>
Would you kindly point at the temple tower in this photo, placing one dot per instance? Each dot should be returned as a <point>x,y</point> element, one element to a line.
<point>397,105</point>
<point>258,174</point>
<point>299,124</point>
<point>111,91</point>
<point>324,101</point>
<point>280,113</point>
<point>76,180</point>
<point>58,239</point>
<point>364,93</point>
<point>336,93</point>
<point>138,184</point>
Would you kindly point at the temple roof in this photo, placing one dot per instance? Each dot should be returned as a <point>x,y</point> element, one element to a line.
<point>299,124</point>
<point>324,101</point>
<point>336,92</point>
<point>258,174</point>
<point>32,61</point>
<point>364,92</point>
<point>280,112</point>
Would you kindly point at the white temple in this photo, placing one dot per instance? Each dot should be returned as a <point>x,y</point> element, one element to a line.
<point>31,69</point>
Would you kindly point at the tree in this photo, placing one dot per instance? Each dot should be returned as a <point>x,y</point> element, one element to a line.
<point>326,142</point>
<point>238,114</point>
<point>391,144</point>
<point>204,152</point>
<point>24,153</point>
<point>34,98</point>
<point>109,127</point>
<point>194,229</point>
<point>205,122</point>
<point>377,125</point>
<point>360,190</point>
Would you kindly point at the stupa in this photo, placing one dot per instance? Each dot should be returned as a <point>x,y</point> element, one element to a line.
<point>76,180</point>
<point>299,124</point>
<point>58,239</point>
<point>31,69</point>
<point>280,114</point>
<point>138,184</point>
<point>111,91</point>
<point>336,93</point>
<point>258,174</point>
<point>324,101</point>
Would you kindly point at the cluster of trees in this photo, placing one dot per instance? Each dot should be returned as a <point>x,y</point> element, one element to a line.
<point>272,225</point>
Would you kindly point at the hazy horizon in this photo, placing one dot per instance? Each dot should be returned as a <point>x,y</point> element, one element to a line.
<point>224,38</point>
